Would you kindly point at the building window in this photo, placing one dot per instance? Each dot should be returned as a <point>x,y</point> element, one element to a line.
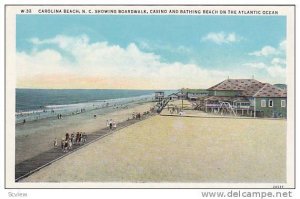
<point>283,103</point>
<point>263,103</point>
<point>270,103</point>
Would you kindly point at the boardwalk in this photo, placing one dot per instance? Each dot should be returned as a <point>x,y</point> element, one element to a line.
<point>44,159</point>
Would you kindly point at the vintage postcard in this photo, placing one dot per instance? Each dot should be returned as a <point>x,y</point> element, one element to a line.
<point>149,96</point>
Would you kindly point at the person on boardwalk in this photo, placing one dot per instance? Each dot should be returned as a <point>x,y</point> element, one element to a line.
<point>65,146</point>
<point>110,124</point>
<point>73,138</point>
<point>84,137</point>
<point>67,136</point>
<point>77,138</point>
<point>62,144</point>
<point>55,143</point>
<point>70,144</point>
<point>80,138</point>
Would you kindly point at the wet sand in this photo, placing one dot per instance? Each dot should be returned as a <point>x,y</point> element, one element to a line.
<point>36,137</point>
<point>179,149</point>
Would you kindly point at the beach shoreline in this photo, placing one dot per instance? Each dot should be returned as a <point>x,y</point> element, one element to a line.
<point>35,137</point>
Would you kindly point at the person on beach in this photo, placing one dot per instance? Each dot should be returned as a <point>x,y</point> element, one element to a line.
<point>110,124</point>
<point>180,113</point>
<point>24,121</point>
<point>114,124</point>
<point>55,143</point>
<point>95,116</point>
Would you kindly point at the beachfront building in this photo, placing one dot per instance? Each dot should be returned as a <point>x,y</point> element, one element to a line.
<point>245,97</point>
<point>173,96</point>
<point>270,101</point>
<point>159,96</point>
<point>195,94</point>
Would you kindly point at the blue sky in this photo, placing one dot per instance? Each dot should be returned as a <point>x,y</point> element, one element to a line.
<point>248,45</point>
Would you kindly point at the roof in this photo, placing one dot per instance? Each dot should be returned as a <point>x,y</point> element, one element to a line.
<point>236,85</point>
<point>251,90</point>
<point>196,91</point>
<point>173,94</point>
<point>269,90</point>
<point>223,98</point>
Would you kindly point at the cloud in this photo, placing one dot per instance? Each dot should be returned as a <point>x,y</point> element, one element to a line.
<point>272,62</point>
<point>152,46</point>
<point>221,37</point>
<point>282,45</point>
<point>104,65</point>
<point>276,71</point>
<point>256,65</point>
<point>62,41</point>
<point>270,50</point>
<point>278,61</point>
<point>265,51</point>
<point>75,62</point>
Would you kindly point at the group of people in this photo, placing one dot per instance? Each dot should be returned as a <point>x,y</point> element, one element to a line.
<point>175,109</point>
<point>136,116</point>
<point>68,141</point>
<point>111,124</point>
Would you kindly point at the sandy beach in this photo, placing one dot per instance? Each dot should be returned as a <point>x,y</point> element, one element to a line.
<point>36,137</point>
<point>179,149</point>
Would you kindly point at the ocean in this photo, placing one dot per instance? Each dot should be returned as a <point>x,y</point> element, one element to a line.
<point>34,104</point>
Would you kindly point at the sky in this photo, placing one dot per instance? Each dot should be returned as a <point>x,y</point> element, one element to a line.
<point>147,52</point>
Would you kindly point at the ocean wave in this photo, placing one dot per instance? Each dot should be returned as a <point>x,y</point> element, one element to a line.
<point>51,111</point>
